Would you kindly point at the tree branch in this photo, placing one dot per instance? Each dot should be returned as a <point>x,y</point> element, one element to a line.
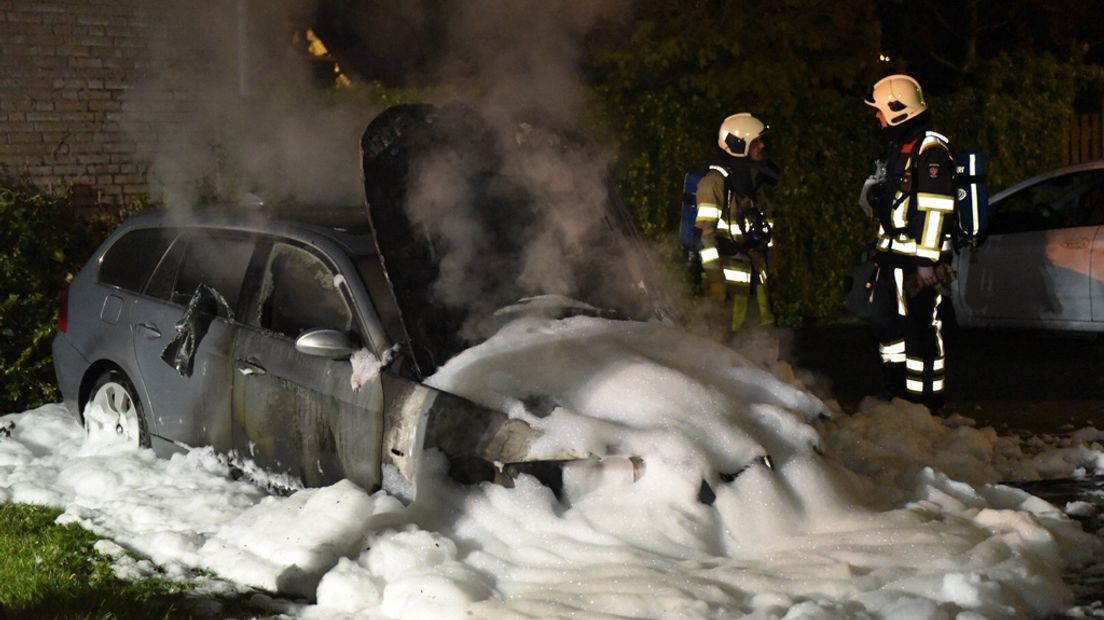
<point>946,63</point>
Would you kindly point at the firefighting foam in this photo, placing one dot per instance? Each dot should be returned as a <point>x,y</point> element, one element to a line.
<point>886,512</point>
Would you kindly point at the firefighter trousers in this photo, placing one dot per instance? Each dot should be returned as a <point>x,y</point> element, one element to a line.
<point>910,339</point>
<point>742,277</point>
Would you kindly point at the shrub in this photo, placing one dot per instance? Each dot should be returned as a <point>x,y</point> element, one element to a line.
<point>663,97</point>
<point>45,241</point>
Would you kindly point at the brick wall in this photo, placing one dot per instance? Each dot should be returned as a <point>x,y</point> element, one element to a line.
<point>90,89</point>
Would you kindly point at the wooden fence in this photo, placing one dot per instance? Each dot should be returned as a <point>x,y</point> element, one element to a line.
<point>1085,139</point>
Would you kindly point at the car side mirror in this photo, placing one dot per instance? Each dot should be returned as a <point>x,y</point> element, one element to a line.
<point>326,342</point>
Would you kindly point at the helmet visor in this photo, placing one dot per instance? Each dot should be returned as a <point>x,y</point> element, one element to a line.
<point>736,144</point>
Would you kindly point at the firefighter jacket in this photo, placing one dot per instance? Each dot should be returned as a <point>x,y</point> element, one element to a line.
<point>915,208</point>
<point>734,218</point>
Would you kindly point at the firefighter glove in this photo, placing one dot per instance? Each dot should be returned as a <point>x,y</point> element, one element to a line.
<point>872,196</point>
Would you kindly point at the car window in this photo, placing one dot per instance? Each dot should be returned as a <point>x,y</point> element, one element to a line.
<point>218,259</point>
<point>1091,205</point>
<point>1061,202</point>
<point>130,260</point>
<point>301,292</point>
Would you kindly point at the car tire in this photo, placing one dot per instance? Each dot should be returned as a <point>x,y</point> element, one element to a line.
<point>115,413</point>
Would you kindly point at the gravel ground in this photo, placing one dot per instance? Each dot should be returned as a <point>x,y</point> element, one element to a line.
<point>1026,381</point>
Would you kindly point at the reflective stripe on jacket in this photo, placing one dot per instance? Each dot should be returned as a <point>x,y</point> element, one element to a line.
<point>923,202</point>
<point>715,207</point>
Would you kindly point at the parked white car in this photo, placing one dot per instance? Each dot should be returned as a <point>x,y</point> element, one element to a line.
<point>1042,263</point>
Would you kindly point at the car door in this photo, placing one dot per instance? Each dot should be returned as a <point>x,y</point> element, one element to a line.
<point>1093,201</point>
<point>296,413</point>
<point>122,274</point>
<point>1034,269</point>
<point>190,408</point>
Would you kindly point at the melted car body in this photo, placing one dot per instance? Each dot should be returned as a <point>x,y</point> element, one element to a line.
<point>267,376</point>
<point>296,339</point>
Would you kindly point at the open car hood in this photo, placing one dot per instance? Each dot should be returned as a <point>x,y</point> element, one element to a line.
<point>459,209</point>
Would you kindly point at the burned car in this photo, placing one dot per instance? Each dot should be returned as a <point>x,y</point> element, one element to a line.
<point>297,338</point>
<point>242,332</point>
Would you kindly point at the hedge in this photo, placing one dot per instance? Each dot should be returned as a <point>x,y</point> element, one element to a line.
<point>45,242</point>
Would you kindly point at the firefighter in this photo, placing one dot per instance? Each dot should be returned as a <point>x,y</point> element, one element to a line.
<point>911,195</point>
<point>734,217</point>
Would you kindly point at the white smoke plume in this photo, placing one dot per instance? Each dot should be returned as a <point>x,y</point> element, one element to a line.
<point>518,67</point>
<point>227,108</point>
<point>254,123</point>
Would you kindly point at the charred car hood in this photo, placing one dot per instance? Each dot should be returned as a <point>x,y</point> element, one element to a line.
<point>459,208</point>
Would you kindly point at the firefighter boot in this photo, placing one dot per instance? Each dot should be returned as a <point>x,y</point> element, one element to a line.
<point>893,380</point>
<point>739,311</point>
<point>934,403</point>
<point>766,316</point>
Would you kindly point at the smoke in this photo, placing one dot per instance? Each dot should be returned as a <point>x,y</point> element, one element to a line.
<point>229,107</point>
<point>520,59</point>
<point>529,213</point>
<point>525,209</point>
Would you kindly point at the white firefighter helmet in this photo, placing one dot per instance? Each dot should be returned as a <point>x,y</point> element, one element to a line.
<point>738,131</point>
<point>898,97</point>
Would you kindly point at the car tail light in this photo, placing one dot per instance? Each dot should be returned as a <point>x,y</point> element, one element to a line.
<point>63,309</point>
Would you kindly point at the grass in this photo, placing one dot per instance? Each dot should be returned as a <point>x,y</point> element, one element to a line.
<point>51,571</point>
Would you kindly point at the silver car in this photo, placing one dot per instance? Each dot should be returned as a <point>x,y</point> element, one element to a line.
<point>274,339</point>
<point>1042,263</point>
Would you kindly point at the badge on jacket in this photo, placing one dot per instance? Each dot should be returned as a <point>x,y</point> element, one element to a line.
<point>933,171</point>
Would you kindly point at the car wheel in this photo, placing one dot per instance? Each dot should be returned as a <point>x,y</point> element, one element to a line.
<point>114,413</point>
